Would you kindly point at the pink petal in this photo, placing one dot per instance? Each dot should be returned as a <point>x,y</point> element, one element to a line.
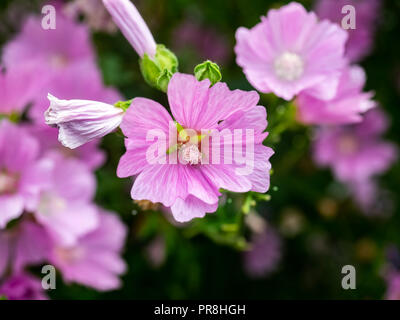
<point>190,208</point>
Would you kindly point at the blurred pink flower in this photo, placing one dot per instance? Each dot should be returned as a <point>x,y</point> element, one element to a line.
<point>132,26</point>
<point>26,244</point>
<point>393,287</point>
<point>356,153</point>
<point>74,83</point>
<point>65,206</point>
<point>95,259</point>
<point>22,286</point>
<point>90,154</point>
<point>55,50</point>
<point>21,176</point>
<point>96,16</point>
<point>192,189</point>
<point>264,255</point>
<point>372,199</point>
<point>19,85</point>
<point>81,121</point>
<point>361,38</point>
<point>289,51</point>
<point>347,105</point>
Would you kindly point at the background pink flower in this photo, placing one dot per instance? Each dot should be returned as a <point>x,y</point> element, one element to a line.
<point>264,255</point>
<point>355,153</point>
<point>361,38</point>
<point>65,206</point>
<point>95,259</point>
<point>21,176</point>
<point>347,105</point>
<point>22,286</point>
<point>290,51</point>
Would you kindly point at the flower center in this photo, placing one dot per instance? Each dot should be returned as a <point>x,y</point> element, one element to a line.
<point>70,255</point>
<point>8,183</point>
<point>348,145</point>
<point>289,66</point>
<point>58,61</point>
<point>50,203</point>
<point>189,154</point>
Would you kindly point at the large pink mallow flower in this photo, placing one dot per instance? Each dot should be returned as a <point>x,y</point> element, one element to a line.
<point>346,107</point>
<point>81,121</point>
<point>22,286</point>
<point>132,26</point>
<point>53,50</point>
<point>65,205</point>
<point>95,259</point>
<point>190,186</point>
<point>290,51</point>
<point>356,153</point>
<point>361,38</point>
<point>21,175</point>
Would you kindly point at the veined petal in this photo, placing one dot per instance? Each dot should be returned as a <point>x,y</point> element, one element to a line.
<point>81,121</point>
<point>132,25</point>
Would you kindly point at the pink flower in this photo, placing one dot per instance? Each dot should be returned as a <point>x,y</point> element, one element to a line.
<point>81,121</point>
<point>264,255</point>
<point>372,199</point>
<point>346,107</point>
<point>289,51</point>
<point>65,206</point>
<point>132,25</point>
<point>356,153</point>
<point>21,176</point>
<point>19,86</point>
<point>22,286</point>
<point>26,244</point>
<point>74,83</point>
<point>90,154</point>
<point>361,38</point>
<point>56,50</point>
<point>95,259</point>
<point>191,187</point>
<point>94,13</point>
<point>393,287</point>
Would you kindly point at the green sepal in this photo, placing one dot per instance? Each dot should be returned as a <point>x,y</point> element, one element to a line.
<point>208,70</point>
<point>124,105</point>
<point>158,71</point>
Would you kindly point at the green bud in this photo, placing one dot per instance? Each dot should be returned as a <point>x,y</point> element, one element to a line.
<point>208,70</point>
<point>124,105</point>
<point>157,71</point>
<point>163,80</point>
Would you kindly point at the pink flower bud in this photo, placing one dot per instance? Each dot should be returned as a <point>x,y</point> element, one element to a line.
<point>81,121</point>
